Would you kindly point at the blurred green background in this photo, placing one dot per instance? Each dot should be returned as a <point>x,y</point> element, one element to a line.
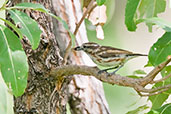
<point>122,99</point>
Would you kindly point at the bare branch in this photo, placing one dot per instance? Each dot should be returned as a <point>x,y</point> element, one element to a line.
<point>151,94</point>
<point>160,80</point>
<point>153,90</point>
<point>68,70</point>
<point>90,7</point>
<point>67,51</point>
<point>149,78</point>
<point>137,84</point>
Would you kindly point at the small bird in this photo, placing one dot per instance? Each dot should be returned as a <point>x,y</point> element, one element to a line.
<point>107,56</point>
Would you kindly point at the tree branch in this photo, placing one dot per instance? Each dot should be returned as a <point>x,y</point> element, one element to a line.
<point>149,78</point>
<point>160,80</point>
<point>137,84</point>
<point>155,93</point>
<point>90,7</point>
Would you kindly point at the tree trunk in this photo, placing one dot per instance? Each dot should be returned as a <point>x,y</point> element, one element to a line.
<point>44,94</point>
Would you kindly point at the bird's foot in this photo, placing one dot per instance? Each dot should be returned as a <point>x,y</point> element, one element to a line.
<point>102,71</point>
<point>107,73</point>
<point>111,73</point>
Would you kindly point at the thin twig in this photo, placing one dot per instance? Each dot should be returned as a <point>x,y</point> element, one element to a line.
<point>149,78</point>
<point>160,80</point>
<point>68,49</point>
<point>151,94</point>
<point>91,11</point>
<point>153,90</point>
<point>90,7</point>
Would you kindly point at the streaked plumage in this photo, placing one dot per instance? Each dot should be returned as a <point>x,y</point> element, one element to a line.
<point>107,56</point>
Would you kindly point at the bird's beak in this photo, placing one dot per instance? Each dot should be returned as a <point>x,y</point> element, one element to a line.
<point>78,48</point>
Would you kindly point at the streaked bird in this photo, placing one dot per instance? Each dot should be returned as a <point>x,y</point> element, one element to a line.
<point>107,56</point>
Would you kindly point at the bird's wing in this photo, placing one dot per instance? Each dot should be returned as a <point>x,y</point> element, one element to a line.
<point>111,51</point>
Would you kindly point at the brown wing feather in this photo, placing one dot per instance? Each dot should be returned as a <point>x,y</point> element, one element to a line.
<point>113,50</point>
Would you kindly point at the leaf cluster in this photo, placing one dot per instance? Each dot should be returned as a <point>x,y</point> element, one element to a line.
<point>139,11</point>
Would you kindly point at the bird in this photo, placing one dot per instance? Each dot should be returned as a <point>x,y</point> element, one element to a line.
<point>107,56</point>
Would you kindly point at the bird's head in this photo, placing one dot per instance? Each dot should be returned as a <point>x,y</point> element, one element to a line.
<point>87,47</point>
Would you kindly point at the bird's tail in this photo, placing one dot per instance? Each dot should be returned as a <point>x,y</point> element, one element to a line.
<point>137,54</point>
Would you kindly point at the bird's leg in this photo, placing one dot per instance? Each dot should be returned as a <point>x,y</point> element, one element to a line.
<point>105,70</point>
<point>116,69</point>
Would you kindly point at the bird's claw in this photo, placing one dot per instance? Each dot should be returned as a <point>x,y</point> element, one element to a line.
<point>102,71</point>
<point>108,74</point>
<point>112,73</point>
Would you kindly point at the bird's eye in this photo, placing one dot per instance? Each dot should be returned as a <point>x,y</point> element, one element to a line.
<point>84,46</point>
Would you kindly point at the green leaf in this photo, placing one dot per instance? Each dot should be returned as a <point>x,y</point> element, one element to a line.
<point>143,6</point>
<point>100,2</point>
<point>33,6</point>
<point>153,7</point>
<point>13,61</point>
<point>150,8</point>
<point>134,76</point>
<point>130,13</point>
<point>6,98</point>
<point>138,110</point>
<point>13,27</point>
<point>137,10</point>
<point>165,109</point>
<point>160,50</point>
<point>166,71</point>
<point>41,8</point>
<point>160,22</point>
<point>158,100</point>
<point>142,72</point>
<point>28,27</point>
<point>148,64</point>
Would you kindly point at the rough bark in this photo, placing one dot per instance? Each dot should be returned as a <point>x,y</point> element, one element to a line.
<point>84,94</point>
<point>36,98</point>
